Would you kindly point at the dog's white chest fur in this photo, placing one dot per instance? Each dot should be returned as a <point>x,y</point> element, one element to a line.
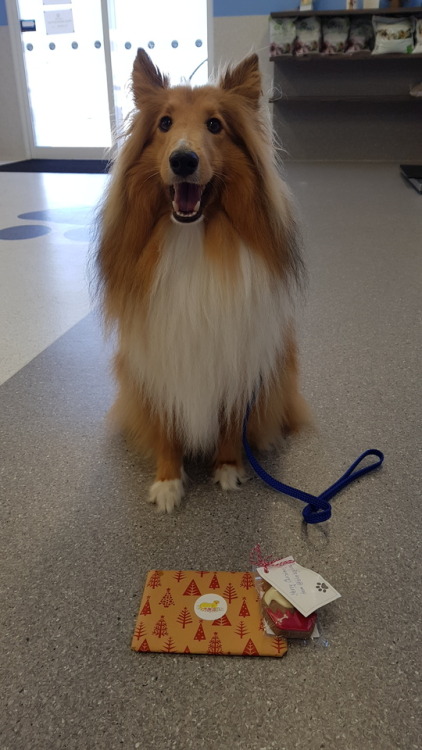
<point>209,340</point>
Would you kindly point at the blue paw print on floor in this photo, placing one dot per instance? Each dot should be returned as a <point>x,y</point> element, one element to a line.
<point>79,234</point>
<point>80,216</point>
<point>23,232</point>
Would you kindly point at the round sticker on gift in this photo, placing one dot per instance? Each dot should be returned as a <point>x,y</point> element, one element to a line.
<point>210,607</point>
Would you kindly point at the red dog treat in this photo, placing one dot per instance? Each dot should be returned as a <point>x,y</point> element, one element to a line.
<point>284,619</point>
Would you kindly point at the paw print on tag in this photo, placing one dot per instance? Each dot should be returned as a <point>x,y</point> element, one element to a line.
<point>322,587</point>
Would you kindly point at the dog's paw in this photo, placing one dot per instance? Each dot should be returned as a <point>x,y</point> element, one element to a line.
<point>230,476</point>
<point>166,494</point>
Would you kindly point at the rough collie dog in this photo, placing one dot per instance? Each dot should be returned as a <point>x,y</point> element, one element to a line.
<point>197,263</point>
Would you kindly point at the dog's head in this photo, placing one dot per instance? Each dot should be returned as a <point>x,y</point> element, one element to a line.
<point>196,141</point>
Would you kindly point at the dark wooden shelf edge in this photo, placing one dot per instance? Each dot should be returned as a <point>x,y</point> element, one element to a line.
<point>357,56</point>
<point>364,12</point>
<point>342,99</point>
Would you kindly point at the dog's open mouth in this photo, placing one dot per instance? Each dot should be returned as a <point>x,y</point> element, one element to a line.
<point>187,201</point>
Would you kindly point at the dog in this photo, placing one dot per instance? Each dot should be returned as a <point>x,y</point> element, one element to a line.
<point>198,264</point>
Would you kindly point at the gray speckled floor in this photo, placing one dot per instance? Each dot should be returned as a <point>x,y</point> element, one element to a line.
<point>77,538</point>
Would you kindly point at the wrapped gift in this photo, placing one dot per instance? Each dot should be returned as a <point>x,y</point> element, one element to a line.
<point>203,612</point>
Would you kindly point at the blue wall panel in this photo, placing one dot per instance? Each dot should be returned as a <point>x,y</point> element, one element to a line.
<point>3,14</point>
<point>247,7</point>
<point>265,7</point>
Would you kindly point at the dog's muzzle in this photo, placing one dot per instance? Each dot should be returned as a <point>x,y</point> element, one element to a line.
<point>186,194</point>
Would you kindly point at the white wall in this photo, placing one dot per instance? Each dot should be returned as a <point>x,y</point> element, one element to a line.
<point>237,36</point>
<point>12,144</point>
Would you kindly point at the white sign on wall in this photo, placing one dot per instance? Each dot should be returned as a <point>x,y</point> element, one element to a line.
<point>59,21</point>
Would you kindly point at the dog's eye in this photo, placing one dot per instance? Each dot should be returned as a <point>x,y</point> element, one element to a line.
<point>165,124</point>
<point>214,125</point>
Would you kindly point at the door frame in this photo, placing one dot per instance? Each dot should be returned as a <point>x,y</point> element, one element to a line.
<point>45,152</point>
<point>20,75</point>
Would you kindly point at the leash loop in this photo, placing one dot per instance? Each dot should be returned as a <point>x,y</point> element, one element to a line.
<point>318,509</point>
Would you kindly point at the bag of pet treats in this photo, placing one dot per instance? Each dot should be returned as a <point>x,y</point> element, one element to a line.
<point>360,36</point>
<point>308,36</point>
<point>290,596</point>
<point>280,617</point>
<point>282,36</point>
<point>393,35</point>
<point>334,35</point>
<point>418,37</point>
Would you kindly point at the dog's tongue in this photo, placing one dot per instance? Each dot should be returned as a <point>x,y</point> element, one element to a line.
<point>187,196</point>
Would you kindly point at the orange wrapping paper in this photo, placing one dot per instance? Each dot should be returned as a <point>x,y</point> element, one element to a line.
<point>176,605</point>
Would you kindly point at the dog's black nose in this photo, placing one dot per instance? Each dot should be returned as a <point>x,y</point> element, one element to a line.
<point>184,163</point>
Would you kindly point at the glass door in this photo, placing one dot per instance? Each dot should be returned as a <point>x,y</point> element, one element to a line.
<point>66,76</point>
<point>77,62</point>
<point>174,35</point>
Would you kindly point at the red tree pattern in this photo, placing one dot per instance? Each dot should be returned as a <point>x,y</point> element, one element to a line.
<point>241,629</point>
<point>192,589</point>
<point>214,646</point>
<point>214,582</point>
<point>278,644</point>
<point>140,630</point>
<point>155,580</point>
<point>199,635</point>
<point>244,611</point>
<point>146,609</point>
<point>167,599</point>
<point>250,649</point>
<point>247,581</point>
<point>184,617</point>
<point>224,620</point>
<point>230,593</point>
<point>166,622</point>
<point>160,629</point>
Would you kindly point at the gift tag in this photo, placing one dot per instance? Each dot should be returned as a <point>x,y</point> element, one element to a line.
<point>303,588</point>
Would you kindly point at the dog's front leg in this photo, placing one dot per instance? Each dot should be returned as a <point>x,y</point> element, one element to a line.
<point>168,488</point>
<point>229,470</point>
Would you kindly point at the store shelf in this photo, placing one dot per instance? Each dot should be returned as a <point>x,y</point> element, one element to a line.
<point>357,56</point>
<point>334,99</point>
<point>364,12</point>
<point>330,73</point>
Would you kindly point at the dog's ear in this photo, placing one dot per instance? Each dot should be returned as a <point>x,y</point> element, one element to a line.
<point>244,79</point>
<point>146,77</point>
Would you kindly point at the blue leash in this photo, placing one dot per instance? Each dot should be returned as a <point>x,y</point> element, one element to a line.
<point>318,508</point>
